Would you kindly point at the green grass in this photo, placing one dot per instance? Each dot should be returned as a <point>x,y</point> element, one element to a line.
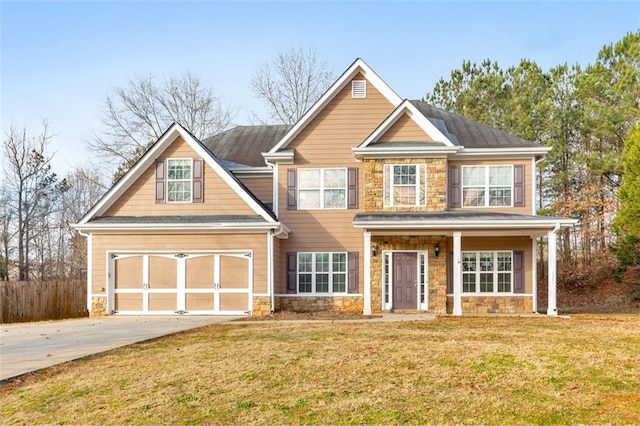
<point>584,370</point>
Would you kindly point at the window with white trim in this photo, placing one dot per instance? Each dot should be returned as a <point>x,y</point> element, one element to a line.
<point>322,189</point>
<point>487,186</point>
<point>179,179</point>
<point>404,185</point>
<point>486,272</point>
<point>324,273</point>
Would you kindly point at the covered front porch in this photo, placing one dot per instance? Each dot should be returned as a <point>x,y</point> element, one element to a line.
<point>455,262</point>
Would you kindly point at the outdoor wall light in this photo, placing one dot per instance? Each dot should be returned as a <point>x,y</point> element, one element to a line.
<point>374,250</point>
<point>436,249</point>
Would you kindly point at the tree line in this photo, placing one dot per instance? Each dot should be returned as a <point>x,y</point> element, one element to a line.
<point>588,115</point>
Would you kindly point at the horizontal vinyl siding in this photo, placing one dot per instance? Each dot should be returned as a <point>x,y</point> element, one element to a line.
<point>143,243</point>
<point>528,176</point>
<point>405,130</point>
<point>139,199</point>
<point>261,187</point>
<point>501,243</point>
<point>326,142</point>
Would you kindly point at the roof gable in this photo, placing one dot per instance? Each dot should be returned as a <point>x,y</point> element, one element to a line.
<point>174,132</point>
<point>358,67</point>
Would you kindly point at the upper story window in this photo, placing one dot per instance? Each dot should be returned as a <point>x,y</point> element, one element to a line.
<point>322,189</point>
<point>487,186</point>
<point>487,272</point>
<point>405,185</point>
<point>179,174</point>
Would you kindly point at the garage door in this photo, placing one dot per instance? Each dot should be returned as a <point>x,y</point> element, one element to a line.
<point>183,283</point>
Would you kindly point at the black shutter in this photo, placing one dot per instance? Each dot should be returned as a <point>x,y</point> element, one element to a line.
<point>198,181</point>
<point>352,278</point>
<point>450,274</point>
<point>518,185</point>
<point>352,188</point>
<point>518,272</point>
<point>160,184</point>
<point>454,186</point>
<point>291,189</point>
<point>292,273</point>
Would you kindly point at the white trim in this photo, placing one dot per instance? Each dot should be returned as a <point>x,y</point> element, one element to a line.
<point>276,179</point>
<point>388,181</point>
<point>457,273</point>
<point>534,274</point>
<point>90,293</point>
<point>251,172</point>
<point>358,66</point>
<point>500,153</point>
<point>284,157</point>
<point>420,254</point>
<point>330,273</point>
<point>359,90</point>
<point>450,224</point>
<point>552,308</point>
<point>384,152</point>
<point>270,272</point>
<point>406,107</point>
<point>495,272</point>
<point>190,180</point>
<point>367,274</point>
<point>534,187</point>
<point>242,227</point>
<point>173,132</point>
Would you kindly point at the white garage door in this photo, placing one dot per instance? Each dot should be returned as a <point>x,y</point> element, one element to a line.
<point>183,283</point>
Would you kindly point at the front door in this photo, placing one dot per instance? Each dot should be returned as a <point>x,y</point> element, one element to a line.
<point>405,280</point>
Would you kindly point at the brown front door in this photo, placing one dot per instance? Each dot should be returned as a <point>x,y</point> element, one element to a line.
<point>405,280</point>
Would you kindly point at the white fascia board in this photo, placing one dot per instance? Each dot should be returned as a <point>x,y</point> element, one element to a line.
<point>139,168</point>
<point>404,152</point>
<point>282,157</point>
<point>467,224</point>
<point>423,122</point>
<point>200,227</point>
<point>253,172</point>
<point>358,66</point>
<point>499,153</point>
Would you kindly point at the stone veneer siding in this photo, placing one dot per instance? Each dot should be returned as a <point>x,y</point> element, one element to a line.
<point>437,268</point>
<point>261,305</point>
<point>493,304</point>
<point>436,184</point>
<point>98,306</point>
<point>320,303</point>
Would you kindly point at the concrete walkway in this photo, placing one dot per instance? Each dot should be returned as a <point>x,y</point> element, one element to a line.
<point>27,347</point>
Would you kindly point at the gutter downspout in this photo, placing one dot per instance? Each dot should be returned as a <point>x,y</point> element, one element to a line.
<point>271,275</point>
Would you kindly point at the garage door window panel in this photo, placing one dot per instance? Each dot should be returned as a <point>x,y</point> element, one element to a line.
<point>233,272</point>
<point>162,272</point>
<point>199,272</point>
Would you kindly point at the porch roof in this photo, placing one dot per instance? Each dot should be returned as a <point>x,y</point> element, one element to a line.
<point>458,220</point>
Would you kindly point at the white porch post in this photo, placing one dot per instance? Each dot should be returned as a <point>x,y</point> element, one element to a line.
<point>551,279</point>
<point>534,273</point>
<point>367,273</point>
<point>457,273</point>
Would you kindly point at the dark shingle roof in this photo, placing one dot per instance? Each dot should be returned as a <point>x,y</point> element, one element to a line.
<point>469,133</point>
<point>244,144</point>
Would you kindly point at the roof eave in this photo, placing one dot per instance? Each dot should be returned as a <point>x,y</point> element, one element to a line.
<point>502,152</point>
<point>168,227</point>
<point>408,152</point>
<point>281,157</point>
<point>448,224</point>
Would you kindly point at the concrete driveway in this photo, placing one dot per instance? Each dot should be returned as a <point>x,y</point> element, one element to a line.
<point>28,347</point>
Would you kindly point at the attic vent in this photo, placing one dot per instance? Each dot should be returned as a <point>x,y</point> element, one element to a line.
<point>359,89</point>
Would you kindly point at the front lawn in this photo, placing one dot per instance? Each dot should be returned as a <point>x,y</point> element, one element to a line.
<point>479,370</point>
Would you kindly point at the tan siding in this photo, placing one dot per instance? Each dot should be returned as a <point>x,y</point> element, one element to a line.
<point>405,130</point>
<point>261,187</point>
<point>528,176</point>
<point>143,243</point>
<point>139,199</point>
<point>503,243</point>
<point>326,142</point>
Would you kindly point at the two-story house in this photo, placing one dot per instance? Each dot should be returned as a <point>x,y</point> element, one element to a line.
<point>369,203</point>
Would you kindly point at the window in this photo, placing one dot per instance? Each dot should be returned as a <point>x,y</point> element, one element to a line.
<point>487,272</point>
<point>179,179</point>
<point>322,273</point>
<point>322,189</point>
<point>359,89</point>
<point>405,185</point>
<point>487,186</point>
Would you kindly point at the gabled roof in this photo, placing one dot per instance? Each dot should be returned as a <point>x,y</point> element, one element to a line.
<point>408,108</point>
<point>358,66</point>
<point>168,137</point>
<point>469,133</point>
<point>243,145</point>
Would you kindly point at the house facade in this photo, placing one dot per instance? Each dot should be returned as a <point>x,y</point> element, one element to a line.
<point>369,203</point>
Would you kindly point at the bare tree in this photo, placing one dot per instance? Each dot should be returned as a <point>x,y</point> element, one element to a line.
<point>32,186</point>
<point>137,114</point>
<point>291,83</point>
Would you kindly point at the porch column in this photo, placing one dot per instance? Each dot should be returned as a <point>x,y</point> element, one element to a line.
<point>551,278</point>
<point>457,273</point>
<point>534,274</point>
<point>367,274</point>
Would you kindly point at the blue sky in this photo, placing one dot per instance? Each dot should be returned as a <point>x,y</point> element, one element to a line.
<point>60,59</point>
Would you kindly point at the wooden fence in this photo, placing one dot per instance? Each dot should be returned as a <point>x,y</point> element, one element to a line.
<point>24,301</point>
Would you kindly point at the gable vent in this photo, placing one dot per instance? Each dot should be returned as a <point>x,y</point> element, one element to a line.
<point>359,89</point>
